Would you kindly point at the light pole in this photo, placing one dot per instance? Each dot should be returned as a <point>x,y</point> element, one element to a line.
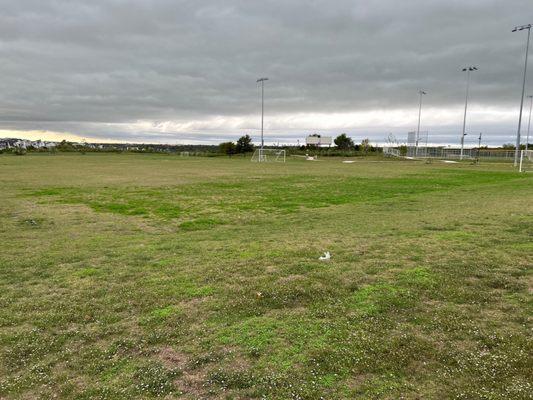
<point>421,93</point>
<point>517,29</point>
<point>262,80</point>
<point>478,145</point>
<point>529,123</point>
<point>467,70</point>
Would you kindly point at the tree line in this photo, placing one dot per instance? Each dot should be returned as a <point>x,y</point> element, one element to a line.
<point>342,142</point>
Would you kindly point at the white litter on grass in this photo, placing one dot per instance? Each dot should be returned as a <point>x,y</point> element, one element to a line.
<point>409,158</point>
<point>449,161</point>
<point>348,162</point>
<point>325,257</point>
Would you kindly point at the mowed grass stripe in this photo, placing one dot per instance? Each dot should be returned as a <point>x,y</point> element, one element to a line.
<point>203,205</point>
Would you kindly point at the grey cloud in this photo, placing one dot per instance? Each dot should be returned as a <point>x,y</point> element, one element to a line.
<point>78,63</point>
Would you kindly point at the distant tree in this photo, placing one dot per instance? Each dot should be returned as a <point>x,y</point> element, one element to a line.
<point>228,148</point>
<point>365,145</point>
<point>392,141</point>
<point>65,146</point>
<point>19,151</point>
<point>344,142</point>
<point>508,146</point>
<point>244,144</point>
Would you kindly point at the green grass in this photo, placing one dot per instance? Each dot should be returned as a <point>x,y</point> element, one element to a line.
<point>150,276</point>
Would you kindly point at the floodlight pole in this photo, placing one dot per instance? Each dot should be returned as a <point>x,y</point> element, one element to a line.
<point>468,70</point>
<point>262,80</point>
<point>478,146</point>
<point>529,123</point>
<point>421,93</point>
<point>517,149</point>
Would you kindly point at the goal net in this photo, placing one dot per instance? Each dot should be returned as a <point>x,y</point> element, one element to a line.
<point>526,161</point>
<point>269,155</point>
<point>391,152</point>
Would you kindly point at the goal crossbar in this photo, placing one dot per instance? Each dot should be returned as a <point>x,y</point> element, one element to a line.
<point>269,155</point>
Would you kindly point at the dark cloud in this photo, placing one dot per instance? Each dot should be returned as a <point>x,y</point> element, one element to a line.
<point>78,66</point>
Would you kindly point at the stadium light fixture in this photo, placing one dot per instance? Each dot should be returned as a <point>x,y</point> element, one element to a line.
<point>529,123</point>
<point>467,70</point>
<point>262,80</point>
<point>518,29</point>
<point>420,93</point>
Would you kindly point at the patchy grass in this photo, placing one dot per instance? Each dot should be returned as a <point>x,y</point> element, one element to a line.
<point>143,276</point>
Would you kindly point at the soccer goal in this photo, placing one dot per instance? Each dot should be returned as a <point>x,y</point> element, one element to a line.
<point>391,152</point>
<point>526,161</point>
<point>269,155</point>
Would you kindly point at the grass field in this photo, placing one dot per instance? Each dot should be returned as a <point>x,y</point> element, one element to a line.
<point>139,276</point>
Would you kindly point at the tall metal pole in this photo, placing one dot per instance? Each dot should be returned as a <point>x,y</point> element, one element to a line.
<point>262,112</point>
<point>262,80</point>
<point>529,123</point>
<point>463,134</point>
<point>478,146</point>
<point>517,149</point>
<point>421,93</point>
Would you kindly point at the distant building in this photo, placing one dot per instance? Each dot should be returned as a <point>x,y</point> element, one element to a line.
<point>318,140</point>
<point>10,143</point>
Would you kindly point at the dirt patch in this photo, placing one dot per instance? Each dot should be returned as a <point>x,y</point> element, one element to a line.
<point>193,384</point>
<point>173,359</point>
<point>271,269</point>
<point>359,380</point>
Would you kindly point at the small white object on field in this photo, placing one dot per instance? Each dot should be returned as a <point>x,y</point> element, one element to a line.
<point>348,162</point>
<point>325,257</point>
<point>449,161</point>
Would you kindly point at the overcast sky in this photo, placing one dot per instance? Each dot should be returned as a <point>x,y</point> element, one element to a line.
<point>176,71</point>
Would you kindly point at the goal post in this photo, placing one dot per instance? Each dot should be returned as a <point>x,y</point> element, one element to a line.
<point>269,155</point>
<point>526,161</point>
